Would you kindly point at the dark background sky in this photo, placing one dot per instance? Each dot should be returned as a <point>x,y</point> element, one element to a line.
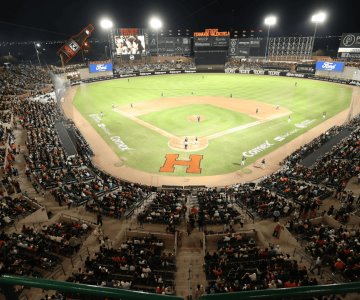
<point>61,19</point>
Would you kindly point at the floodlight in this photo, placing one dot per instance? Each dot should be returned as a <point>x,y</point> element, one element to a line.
<point>270,20</point>
<point>106,24</point>
<point>37,45</point>
<point>318,17</point>
<point>155,23</point>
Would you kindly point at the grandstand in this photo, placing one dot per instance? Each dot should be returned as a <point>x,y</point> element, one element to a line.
<point>292,224</point>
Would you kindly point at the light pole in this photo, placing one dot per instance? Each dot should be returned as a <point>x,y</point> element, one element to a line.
<point>317,18</point>
<point>37,45</point>
<point>155,23</point>
<point>107,24</point>
<point>269,21</point>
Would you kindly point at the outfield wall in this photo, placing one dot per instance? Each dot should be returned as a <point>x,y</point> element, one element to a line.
<point>351,73</point>
<point>354,82</point>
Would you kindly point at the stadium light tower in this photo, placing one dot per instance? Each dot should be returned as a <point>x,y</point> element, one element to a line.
<point>107,25</point>
<point>156,24</point>
<point>317,18</point>
<point>37,45</point>
<point>269,21</point>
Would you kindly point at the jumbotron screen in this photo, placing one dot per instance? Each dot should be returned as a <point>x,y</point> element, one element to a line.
<point>133,44</point>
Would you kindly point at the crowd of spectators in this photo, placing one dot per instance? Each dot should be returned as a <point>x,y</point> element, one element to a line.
<point>116,204</point>
<point>22,79</point>
<point>27,252</point>
<point>11,208</point>
<point>239,264</point>
<point>139,263</point>
<point>168,207</point>
<point>243,64</point>
<point>147,67</point>
<point>214,209</point>
<point>336,248</point>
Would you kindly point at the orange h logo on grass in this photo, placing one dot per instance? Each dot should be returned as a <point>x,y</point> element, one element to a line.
<point>171,160</point>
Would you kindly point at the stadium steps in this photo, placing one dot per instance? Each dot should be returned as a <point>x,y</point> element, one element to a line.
<point>189,262</point>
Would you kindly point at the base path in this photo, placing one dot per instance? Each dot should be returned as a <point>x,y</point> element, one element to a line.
<point>106,159</point>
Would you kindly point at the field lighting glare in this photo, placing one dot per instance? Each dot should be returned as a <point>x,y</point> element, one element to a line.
<point>318,18</point>
<point>106,24</point>
<point>270,21</point>
<point>38,45</point>
<point>155,23</point>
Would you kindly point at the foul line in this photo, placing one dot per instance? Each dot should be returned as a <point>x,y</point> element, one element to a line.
<point>245,126</point>
<point>147,125</point>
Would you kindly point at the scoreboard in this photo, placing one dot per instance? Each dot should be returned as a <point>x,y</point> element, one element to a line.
<point>247,47</point>
<point>168,45</point>
<point>211,41</point>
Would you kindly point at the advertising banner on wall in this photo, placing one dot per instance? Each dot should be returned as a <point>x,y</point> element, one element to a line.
<point>350,43</point>
<point>100,67</point>
<point>334,66</point>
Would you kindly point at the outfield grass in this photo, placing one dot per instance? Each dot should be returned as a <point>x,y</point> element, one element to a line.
<point>214,119</point>
<point>307,101</point>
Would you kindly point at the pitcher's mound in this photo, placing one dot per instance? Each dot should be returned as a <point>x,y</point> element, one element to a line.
<point>194,118</point>
<point>178,143</point>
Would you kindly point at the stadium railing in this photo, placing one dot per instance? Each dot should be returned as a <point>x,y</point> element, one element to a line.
<point>7,283</point>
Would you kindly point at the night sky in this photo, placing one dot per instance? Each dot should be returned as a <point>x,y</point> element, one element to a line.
<point>56,20</point>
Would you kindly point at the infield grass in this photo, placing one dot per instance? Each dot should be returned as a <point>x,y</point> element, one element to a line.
<point>306,101</point>
<point>212,119</point>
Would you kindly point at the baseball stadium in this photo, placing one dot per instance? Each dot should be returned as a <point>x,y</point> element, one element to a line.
<point>147,162</point>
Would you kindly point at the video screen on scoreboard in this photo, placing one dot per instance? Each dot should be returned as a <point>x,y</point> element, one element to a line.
<point>132,44</point>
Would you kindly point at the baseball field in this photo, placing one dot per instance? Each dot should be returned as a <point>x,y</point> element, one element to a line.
<point>217,118</point>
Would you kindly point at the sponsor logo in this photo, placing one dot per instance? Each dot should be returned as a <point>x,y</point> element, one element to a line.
<point>295,75</point>
<point>280,138</point>
<point>193,164</point>
<point>304,124</point>
<point>230,71</point>
<point>95,68</point>
<point>160,72</point>
<point>175,72</point>
<point>101,67</point>
<point>329,66</point>
<point>119,143</point>
<point>127,75</point>
<point>190,71</point>
<point>259,72</point>
<point>103,127</point>
<point>274,73</point>
<point>357,83</point>
<point>258,149</point>
<point>349,40</point>
<point>145,73</point>
<point>116,139</point>
<point>244,71</point>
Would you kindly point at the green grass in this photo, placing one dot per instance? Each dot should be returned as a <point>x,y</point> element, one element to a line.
<point>214,119</point>
<point>307,101</point>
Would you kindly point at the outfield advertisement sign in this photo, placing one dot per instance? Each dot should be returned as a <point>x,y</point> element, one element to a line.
<point>97,68</point>
<point>229,70</point>
<point>350,43</point>
<point>333,66</point>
